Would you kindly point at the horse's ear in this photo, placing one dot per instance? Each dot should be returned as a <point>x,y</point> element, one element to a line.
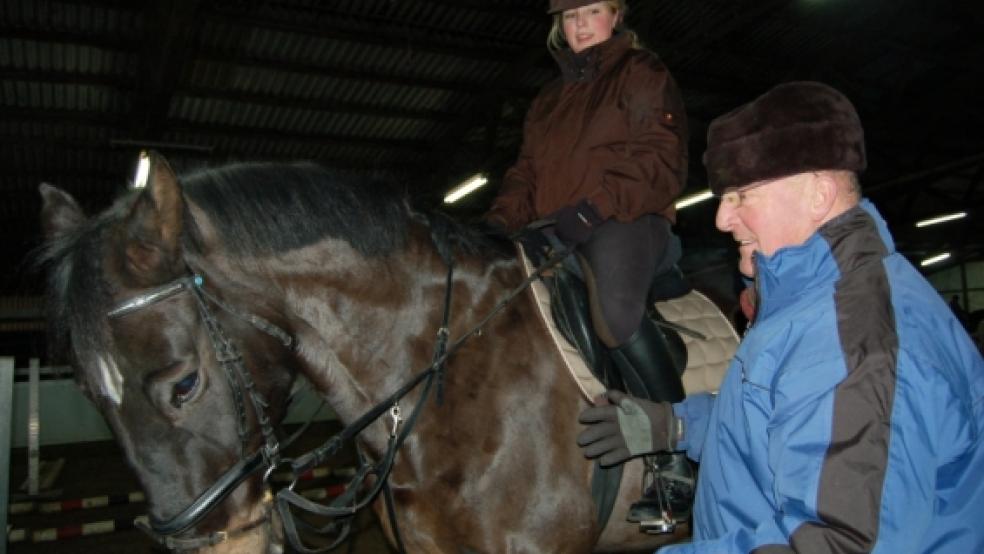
<point>59,211</point>
<point>153,227</point>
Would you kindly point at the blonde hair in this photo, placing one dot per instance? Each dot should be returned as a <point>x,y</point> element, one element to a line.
<point>557,41</point>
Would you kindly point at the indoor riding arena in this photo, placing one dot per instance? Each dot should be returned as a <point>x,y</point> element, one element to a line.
<point>491,276</point>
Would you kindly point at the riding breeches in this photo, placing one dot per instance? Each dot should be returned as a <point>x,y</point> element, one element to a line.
<point>619,262</point>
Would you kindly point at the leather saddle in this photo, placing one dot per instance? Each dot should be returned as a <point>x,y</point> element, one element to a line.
<point>570,309</point>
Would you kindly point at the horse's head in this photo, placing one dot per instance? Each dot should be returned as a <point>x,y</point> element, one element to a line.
<point>147,354</point>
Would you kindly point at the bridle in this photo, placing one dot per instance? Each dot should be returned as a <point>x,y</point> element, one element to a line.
<point>242,386</point>
<point>268,457</point>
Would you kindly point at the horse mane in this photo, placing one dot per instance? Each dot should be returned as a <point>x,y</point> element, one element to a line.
<point>265,208</point>
<point>256,208</point>
<point>77,294</point>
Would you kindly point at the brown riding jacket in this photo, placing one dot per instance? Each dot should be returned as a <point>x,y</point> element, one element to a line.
<point>612,129</point>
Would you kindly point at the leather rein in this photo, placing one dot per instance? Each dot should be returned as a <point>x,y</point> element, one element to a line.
<point>268,457</point>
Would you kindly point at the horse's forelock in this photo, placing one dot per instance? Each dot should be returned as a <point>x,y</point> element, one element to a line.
<point>77,293</point>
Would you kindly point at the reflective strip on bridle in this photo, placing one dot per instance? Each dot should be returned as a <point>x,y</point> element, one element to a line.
<point>155,295</point>
<point>268,456</point>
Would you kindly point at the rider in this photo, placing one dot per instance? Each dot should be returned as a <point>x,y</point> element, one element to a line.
<point>604,154</point>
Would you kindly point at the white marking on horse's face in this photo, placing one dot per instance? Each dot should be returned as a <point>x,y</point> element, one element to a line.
<point>110,379</point>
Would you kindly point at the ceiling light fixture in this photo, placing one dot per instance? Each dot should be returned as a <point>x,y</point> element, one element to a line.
<point>935,259</point>
<point>470,185</point>
<point>694,199</point>
<point>143,170</point>
<point>941,219</point>
<point>170,146</point>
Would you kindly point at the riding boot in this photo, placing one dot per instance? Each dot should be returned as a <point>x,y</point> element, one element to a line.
<point>647,367</point>
<point>648,371</point>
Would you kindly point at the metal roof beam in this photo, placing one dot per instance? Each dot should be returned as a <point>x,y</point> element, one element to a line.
<point>417,41</point>
<point>219,56</point>
<point>170,34</point>
<point>211,131</point>
<point>318,105</point>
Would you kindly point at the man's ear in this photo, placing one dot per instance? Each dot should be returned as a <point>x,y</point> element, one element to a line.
<point>823,196</point>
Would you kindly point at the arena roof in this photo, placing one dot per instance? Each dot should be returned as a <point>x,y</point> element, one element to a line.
<point>431,91</point>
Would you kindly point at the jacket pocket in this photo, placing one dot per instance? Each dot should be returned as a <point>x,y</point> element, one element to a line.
<point>756,391</point>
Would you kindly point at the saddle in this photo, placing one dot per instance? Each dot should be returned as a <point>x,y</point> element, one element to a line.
<point>568,306</point>
<point>571,313</point>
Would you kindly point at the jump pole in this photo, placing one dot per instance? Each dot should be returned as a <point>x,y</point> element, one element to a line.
<point>33,428</point>
<point>6,416</point>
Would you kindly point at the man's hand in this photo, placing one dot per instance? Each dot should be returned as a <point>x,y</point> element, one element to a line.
<point>625,428</point>
<point>575,224</point>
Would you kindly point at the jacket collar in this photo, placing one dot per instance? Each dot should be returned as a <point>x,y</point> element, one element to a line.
<point>589,63</point>
<point>850,241</point>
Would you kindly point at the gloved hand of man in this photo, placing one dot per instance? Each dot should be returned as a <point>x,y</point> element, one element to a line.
<point>626,428</point>
<point>576,223</point>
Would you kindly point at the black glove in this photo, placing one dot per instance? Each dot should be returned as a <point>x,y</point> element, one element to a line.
<point>626,428</point>
<point>576,223</point>
<point>535,244</point>
<point>493,226</point>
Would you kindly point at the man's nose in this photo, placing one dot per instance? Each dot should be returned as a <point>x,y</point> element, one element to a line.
<point>725,216</point>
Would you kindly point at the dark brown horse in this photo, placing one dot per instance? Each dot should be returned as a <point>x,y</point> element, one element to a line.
<point>310,273</point>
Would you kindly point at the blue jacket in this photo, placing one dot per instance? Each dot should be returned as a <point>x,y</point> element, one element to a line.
<point>850,419</point>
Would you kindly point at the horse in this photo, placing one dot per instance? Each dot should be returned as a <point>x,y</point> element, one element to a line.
<point>289,271</point>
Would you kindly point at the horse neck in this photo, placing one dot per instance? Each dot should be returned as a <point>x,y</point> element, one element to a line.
<point>364,325</point>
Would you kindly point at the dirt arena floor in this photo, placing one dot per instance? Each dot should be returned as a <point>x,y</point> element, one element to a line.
<point>96,469</point>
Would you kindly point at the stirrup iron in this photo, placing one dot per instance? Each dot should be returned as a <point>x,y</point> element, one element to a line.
<point>665,523</point>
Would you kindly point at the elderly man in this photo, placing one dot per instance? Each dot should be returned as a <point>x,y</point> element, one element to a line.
<point>851,417</point>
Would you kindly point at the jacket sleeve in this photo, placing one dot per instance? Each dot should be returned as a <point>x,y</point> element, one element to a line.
<point>514,206</point>
<point>840,510</point>
<point>650,166</point>
<point>695,411</point>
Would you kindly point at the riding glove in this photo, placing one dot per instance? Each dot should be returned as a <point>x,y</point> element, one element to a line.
<point>576,223</point>
<point>627,427</point>
<point>535,244</point>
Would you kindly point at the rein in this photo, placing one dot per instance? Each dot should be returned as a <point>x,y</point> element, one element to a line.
<point>268,457</point>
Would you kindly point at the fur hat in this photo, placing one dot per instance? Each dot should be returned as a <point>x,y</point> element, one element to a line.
<point>793,128</point>
<point>561,5</point>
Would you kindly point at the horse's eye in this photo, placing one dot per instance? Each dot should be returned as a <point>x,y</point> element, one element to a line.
<point>184,388</point>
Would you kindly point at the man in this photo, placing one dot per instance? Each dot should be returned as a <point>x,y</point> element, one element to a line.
<point>851,417</point>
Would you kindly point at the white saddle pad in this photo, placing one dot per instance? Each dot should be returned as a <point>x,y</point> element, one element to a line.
<point>707,358</point>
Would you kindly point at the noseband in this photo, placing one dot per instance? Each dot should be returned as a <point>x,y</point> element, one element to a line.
<point>268,457</point>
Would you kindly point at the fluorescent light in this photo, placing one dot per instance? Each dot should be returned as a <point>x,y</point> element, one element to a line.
<point>941,219</point>
<point>694,199</point>
<point>935,259</point>
<point>467,187</point>
<point>143,169</point>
